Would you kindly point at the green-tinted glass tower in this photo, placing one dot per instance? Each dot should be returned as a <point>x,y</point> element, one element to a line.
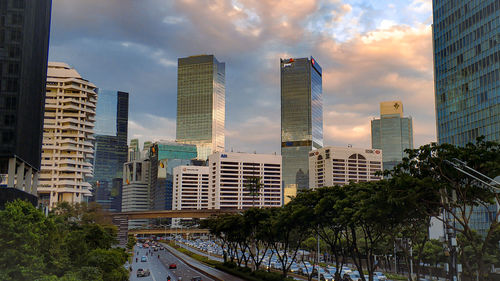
<point>392,133</point>
<point>201,93</point>
<point>301,118</point>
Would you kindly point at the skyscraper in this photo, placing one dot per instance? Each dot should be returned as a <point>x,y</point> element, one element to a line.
<point>24,41</point>
<point>67,138</point>
<point>392,133</point>
<point>201,94</point>
<point>111,148</point>
<point>466,70</point>
<point>301,117</point>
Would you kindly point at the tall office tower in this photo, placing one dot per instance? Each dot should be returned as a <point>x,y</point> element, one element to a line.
<point>229,173</point>
<point>331,166</point>
<point>164,157</point>
<point>301,118</point>
<point>24,41</point>
<point>201,94</point>
<point>467,78</point>
<point>392,133</point>
<point>466,70</point>
<point>111,148</point>
<point>67,150</point>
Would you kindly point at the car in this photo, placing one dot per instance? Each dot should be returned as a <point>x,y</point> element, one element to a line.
<point>196,278</point>
<point>143,272</point>
<point>144,259</point>
<point>172,266</point>
<point>380,275</point>
<point>161,248</point>
<point>326,277</point>
<point>155,248</point>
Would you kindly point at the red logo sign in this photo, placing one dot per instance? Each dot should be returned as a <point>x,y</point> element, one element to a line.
<point>377,151</point>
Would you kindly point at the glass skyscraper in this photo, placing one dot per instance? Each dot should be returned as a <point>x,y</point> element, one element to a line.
<point>392,133</point>
<point>201,94</point>
<point>110,132</point>
<point>467,77</point>
<point>301,118</point>
<point>24,42</point>
<point>466,70</point>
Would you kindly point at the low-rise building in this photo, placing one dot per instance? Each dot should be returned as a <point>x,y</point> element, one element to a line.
<point>229,173</point>
<point>331,166</point>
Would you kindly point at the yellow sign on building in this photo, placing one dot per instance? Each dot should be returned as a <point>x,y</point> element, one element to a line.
<point>391,107</point>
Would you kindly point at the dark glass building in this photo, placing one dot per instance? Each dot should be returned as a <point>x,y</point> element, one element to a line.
<point>24,41</point>
<point>301,118</point>
<point>110,147</point>
<point>466,44</point>
<point>467,70</point>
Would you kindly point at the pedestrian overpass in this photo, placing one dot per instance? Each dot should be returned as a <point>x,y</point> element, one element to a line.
<point>121,221</point>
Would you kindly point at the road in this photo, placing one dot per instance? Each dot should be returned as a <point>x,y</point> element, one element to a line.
<point>158,267</point>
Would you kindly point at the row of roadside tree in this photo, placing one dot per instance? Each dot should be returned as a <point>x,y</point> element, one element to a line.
<point>360,221</point>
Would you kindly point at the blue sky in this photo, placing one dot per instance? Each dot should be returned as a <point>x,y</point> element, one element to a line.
<point>370,51</point>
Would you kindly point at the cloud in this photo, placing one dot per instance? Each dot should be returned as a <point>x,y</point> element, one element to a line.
<point>368,53</point>
<point>148,127</point>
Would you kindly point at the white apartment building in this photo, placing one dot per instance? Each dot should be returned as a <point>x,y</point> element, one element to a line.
<point>228,172</point>
<point>190,188</point>
<point>67,136</point>
<point>331,166</point>
<point>135,192</point>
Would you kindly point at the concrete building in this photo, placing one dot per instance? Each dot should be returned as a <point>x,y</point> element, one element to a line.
<point>24,41</point>
<point>392,133</point>
<point>136,193</point>
<point>229,173</point>
<point>201,94</point>
<point>301,118</point>
<point>111,129</point>
<point>67,155</point>
<point>190,191</point>
<point>331,166</point>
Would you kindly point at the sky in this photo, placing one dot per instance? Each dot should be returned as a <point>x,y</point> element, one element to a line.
<point>370,51</point>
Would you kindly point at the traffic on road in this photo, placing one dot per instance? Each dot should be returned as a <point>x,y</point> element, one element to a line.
<point>153,263</point>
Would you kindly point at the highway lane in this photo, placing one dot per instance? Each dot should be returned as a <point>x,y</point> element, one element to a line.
<point>159,267</point>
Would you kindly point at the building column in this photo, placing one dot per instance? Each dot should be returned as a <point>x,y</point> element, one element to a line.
<point>20,176</point>
<point>34,186</point>
<point>28,183</point>
<point>11,176</point>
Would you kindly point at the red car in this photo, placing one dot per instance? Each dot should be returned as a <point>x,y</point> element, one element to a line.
<point>172,266</point>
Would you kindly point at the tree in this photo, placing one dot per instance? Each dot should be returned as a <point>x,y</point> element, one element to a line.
<point>252,186</point>
<point>460,195</point>
<point>286,228</point>
<point>65,247</point>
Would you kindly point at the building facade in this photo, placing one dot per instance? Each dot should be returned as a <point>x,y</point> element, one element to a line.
<point>466,70</point>
<point>332,166</point>
<point>136,193</point>
<point>24,41</point>
<point>190,190</point>
<point>467,77</point>
<point>392,133</point>
<point>201,94</point>
<point>229,175</point>
<point>301,118</point>
<point>67,150</point>
<point>111,130</point>
<point>164,157</point>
